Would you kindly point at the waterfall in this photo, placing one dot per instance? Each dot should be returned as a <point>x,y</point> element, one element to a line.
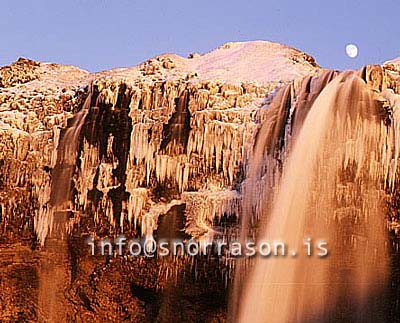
<point>66,158</point>
<point>57,193</point>
<point>52,222</point>
<point>323,163</point>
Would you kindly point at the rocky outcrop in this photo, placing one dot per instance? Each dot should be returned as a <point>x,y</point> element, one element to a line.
<point>22,71</point>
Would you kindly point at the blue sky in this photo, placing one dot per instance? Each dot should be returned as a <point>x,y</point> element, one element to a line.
<point>103,34</point>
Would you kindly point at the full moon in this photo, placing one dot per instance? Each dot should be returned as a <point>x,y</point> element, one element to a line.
<point>351,50</point>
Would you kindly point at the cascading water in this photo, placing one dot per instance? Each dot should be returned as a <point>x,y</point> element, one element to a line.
<point>52,223</point>
<point>52,215</point>
<point>66,158</point>
<point>336,168</point>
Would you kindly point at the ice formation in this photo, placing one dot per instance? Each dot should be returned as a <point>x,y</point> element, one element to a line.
<point>172,134</point>
<point>204,207</point>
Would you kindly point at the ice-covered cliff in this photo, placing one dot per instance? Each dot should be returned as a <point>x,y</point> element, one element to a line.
<point>181,123</point>
<point>159,149</point>
<point>156,149</point>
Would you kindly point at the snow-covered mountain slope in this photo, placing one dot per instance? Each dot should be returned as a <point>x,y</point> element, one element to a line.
<point>234,62</point>
<point>395,62</point>
<point>256,61</point>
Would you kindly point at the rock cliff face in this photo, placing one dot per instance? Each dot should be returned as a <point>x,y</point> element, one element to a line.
<point>159,149</point>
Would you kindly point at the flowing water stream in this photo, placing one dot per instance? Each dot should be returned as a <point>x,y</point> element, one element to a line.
<point>334,177</point>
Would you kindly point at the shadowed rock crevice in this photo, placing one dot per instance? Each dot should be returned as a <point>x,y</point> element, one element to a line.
<point>176,131</point>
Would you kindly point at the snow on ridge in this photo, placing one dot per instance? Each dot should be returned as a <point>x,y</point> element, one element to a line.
<point>395,61</point>
<point>260,61</point>
<point>233,62</point>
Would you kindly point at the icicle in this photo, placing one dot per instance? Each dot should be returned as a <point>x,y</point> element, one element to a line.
<point>56,140</point>
<point>136,203</point>
<point>203,207</point>
<point>150,219</point>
